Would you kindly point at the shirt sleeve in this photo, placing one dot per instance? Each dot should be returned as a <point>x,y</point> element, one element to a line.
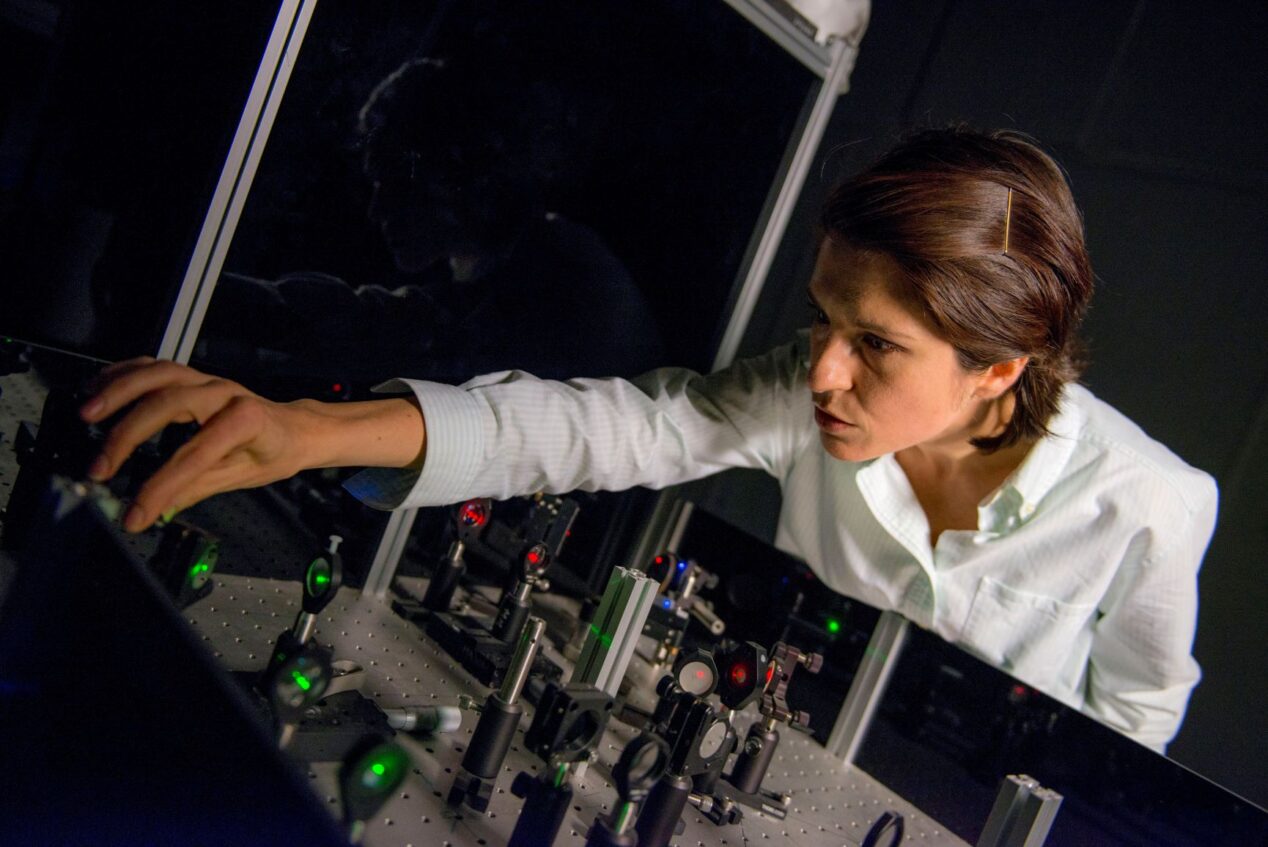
<point>510,434</point>
<point>1141,670</point>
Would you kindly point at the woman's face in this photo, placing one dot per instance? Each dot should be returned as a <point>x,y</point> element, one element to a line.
<point>881,381</point>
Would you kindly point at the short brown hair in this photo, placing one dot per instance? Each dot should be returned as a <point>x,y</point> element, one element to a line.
<point>939,205</point>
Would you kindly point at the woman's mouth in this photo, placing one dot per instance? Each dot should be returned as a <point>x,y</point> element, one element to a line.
<point>830,423</point>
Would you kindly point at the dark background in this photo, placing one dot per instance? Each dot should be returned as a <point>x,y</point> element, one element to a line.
<point>114,126</point>
<point>1156,110</point>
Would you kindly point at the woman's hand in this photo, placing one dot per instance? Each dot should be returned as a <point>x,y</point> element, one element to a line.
<point>243,440</point>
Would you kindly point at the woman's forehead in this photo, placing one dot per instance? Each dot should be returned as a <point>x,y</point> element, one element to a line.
<point>868,285</point>
<point>844,271</point>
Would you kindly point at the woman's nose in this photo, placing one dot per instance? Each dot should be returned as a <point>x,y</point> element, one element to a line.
<point>832,365</point>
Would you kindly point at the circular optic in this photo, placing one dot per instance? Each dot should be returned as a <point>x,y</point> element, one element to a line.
<point>641,763</point>
<point>317,580</point>
<point>646,760</point>
<point>695,678</point>
<point>581,733</point>
<point>382,768</point>
<point>711,743</point>
<point>299,682</point>
<point>198,575</point>
<point>536,559</point>
<point>739,674</point>
<point>201,570</point>
<point>473,514</point>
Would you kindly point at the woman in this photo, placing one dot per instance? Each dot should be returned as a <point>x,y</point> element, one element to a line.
<point>935,454</point>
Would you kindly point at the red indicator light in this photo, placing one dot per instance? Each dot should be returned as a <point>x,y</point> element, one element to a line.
<point>337,387</point>
<point>1019,691</point>
<point>660,560</point>
<point>473,514</point>
<point>739,674</point>
<point>534,557</point>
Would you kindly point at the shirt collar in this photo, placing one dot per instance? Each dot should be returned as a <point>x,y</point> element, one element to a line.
<point>1021,493</point>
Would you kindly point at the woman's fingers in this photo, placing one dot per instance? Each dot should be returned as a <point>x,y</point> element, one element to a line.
<point>125,382</point>
<point>179,404</point>
<point>97,382</point>
<point>244,440</point>
<point>235,449</point>
<point>234,472</point>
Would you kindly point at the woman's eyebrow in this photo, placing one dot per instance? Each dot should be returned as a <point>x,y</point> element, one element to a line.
<point>881,329</point>
<point>862,323</point>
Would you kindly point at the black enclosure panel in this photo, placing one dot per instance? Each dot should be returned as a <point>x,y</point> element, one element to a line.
<point>599,167</point>
<point>115,120</point>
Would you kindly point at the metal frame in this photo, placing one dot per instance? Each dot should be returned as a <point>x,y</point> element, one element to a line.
<point>390,550</point>
<point>1022,815</point>
<point>235,180</point>
<point>796,43</point>
<point>879,659</point>
<point>617,626</point>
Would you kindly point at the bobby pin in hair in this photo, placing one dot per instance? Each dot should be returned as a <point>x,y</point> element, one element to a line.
<point>1008,218</point>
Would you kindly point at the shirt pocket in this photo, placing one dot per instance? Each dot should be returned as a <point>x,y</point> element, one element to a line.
<point>1040,640</point>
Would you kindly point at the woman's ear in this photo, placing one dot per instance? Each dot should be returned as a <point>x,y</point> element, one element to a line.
<point>1000,377</point>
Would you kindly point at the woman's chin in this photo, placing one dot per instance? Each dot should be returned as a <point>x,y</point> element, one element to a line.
<point>846,449</point>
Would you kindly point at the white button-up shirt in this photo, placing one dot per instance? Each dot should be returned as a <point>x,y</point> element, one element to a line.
<point>1080,579</point>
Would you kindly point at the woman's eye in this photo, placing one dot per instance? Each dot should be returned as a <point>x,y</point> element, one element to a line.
<point>817,315</point>
<point>878,344</point>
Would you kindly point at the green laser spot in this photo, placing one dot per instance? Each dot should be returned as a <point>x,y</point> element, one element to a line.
<point>317,580</point>
<point>301,680</point>
<point>603,637</point>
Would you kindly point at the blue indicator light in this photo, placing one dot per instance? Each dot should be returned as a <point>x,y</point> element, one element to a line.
<point>682,566</point>
<point>667,602</point>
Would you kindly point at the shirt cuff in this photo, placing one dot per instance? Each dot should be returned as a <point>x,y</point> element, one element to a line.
<point>453,421</point>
